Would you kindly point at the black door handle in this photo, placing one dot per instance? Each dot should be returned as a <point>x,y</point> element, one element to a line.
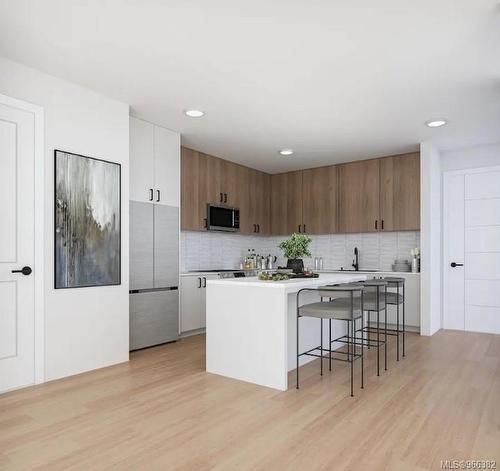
<point>25,271</point>
<point>157,196</point>
<point>151,194</point>
<point>258,228</point>
<point>221,198</point>
<point>204,282</point>
<point>454,264</point>
<point>225,197</point>
<point>299,227</point>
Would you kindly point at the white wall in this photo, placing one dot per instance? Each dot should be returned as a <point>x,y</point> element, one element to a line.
<point>85,328</point>
<point>430,239</point>
<point>472,157</point>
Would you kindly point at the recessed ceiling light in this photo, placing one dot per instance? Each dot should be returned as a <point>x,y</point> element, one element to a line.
<point>194,113</point>
<point>436,123</point>
<point>286,151</point>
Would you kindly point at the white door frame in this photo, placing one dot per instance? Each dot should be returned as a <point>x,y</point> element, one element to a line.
<point>444,251</point>
<point>38,272</point>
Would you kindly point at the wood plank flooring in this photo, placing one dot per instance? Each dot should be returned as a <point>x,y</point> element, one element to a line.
<point>163,411</point>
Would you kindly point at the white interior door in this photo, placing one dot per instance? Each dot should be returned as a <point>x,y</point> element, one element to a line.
<point>17,239</point>
<point>472,237</point>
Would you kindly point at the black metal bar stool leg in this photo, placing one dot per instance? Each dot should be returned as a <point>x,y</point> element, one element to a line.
<point>404,302</point>
<point>362,353</point>
<point>330,344</point>
<point>385,332</point>
<point>368,330</point>
<point>351,356</point>
<point>378,343</point>
<point>321,345</point>
<point>297,370</point>
<point>397,322</point>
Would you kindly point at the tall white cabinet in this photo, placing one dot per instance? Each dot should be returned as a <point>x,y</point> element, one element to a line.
<point>155,166</point>
<point>154,234</point>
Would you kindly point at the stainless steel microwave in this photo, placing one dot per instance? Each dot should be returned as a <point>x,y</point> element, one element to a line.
<point>222,218</point>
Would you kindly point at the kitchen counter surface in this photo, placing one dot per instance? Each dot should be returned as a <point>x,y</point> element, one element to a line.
<point>294,285</point>
<point>390,273</point>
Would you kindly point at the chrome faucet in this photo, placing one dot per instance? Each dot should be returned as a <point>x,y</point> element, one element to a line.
<point>355,262</point>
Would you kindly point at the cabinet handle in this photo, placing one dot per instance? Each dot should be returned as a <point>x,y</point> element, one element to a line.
<point>299,227</point>
<point>255,227</point>
<point>304,228</point>
<point>199,282</point>
<point>157,196</point>
<point>382,223</point>
<point>205,223</point>
<point>151,194</point>
<point>204,282</point>
<point>376,224</point>
<point>258,228</point>
<point>221,198</point>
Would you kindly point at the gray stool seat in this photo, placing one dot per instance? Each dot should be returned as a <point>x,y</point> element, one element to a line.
<point>338,309</point>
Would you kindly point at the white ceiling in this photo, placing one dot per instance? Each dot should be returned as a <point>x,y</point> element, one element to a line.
<point>334,80</point>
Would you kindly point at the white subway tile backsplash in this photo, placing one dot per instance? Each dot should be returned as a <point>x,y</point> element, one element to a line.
<point>377,250</point>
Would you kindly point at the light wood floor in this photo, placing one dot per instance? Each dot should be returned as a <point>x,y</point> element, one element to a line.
<point>162,411</point>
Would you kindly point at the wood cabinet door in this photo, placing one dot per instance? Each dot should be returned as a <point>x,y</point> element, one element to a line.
<point>191,217</point>
<point>262,191</point>
<point>319,200</point>
<point>286,203</point>
<point>238,192</point>
<point>358,196</point>
<point>279,184</point>
<point>294,202</point>
<point>141,160</point>
<point>400,192</point>
<point>259,184</point>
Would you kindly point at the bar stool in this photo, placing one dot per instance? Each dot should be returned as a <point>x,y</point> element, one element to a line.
<point>374,300</point>
<point>345,308</point>
<point>397,299</point>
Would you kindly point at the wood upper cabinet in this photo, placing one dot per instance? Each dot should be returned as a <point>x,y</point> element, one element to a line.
<point>286,203</point>
<point>319,200</point>
<point>259,201</point>
<point>191,216</point>
<point>362,196</point>
<point>208,179</point>
<point>358,196</point>
<point>201,183</point>
<point>400,192</point>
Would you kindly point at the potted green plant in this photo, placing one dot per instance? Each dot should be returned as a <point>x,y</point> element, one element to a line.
<point>294,248</point>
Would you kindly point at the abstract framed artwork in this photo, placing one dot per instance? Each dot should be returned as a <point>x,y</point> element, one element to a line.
<point>87,221</point>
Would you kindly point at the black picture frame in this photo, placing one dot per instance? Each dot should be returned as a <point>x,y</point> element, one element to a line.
<point>119,281</point>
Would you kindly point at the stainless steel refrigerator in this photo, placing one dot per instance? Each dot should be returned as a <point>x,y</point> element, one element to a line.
<point>154,274</point>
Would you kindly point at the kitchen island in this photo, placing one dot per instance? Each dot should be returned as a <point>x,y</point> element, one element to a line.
<point>251,326</point>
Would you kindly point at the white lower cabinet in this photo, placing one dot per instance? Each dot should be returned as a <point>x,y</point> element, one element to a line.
<point>193,301</point>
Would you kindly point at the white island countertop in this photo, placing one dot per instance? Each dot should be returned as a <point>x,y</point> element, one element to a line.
<point>251,326</point>
<point>293,285</point>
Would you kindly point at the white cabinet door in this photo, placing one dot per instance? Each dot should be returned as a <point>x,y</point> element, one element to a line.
<point>191,291</point>
<point>167,176</point>
<point>141,160</point>
<point>203,300</point>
